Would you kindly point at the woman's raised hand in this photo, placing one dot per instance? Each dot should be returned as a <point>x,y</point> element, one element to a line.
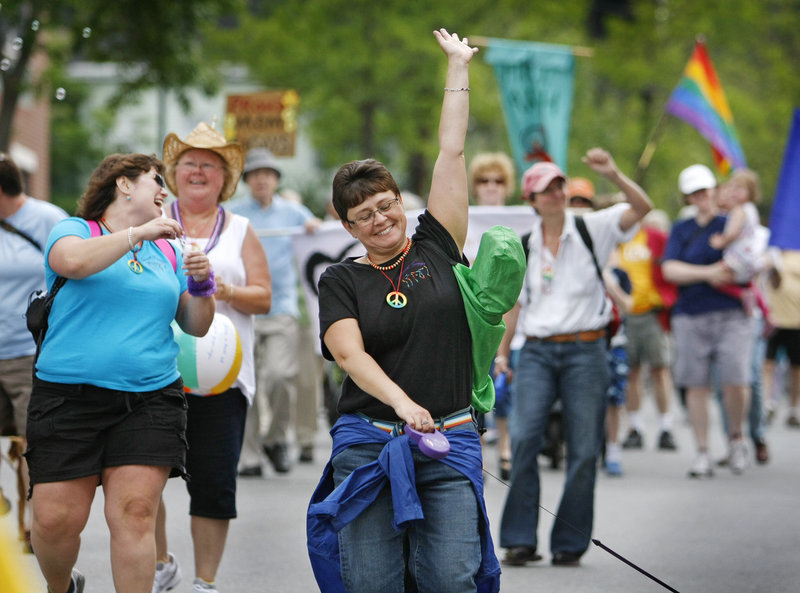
<point>453,47</point>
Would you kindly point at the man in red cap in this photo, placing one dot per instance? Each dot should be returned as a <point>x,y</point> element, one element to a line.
<point>565,313</point>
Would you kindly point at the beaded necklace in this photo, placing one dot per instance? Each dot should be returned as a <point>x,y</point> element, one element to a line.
<point>395,299</point>
<point>133,264</point>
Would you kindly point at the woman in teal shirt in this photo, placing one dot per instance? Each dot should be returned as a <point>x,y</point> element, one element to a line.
<point>108,405</point>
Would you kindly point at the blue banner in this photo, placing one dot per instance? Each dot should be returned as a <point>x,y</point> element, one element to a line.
<point>536,84</point>
<point>785,215</point>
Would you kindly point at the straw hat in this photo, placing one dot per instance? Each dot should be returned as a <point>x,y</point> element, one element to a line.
<point>207,138</point>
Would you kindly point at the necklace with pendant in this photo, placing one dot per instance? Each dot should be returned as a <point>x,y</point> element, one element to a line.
<point>133,264</point>
<point>395,299</point>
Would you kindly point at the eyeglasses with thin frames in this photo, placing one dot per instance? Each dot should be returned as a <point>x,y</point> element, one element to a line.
<point>366,219</point>
<point>204,167</point>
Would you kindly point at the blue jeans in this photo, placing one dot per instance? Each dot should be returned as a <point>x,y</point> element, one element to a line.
<point>442,553</point>
<point>577,374</point>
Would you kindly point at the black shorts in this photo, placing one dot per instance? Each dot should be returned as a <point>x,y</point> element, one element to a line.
<point>75,431</point>
<point>789,339</point>
<point>215,433</point>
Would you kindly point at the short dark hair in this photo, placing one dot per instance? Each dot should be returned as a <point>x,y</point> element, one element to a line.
<point>356,181</point>
<point>102,188</point>
<point>10,176</point>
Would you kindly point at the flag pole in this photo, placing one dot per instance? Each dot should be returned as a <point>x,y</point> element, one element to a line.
<point>578,51</point>
<point>650,147</point>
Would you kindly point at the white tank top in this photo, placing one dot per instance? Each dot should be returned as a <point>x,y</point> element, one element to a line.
<point>226,260</point>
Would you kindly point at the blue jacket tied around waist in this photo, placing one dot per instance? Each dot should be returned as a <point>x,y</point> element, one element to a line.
<point>331,509</point>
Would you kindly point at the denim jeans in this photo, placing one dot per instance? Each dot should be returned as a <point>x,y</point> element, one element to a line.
<point>442,553</point>
<point>576,373</point>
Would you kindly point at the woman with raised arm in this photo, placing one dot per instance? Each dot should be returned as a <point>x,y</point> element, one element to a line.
<point>394,320</point>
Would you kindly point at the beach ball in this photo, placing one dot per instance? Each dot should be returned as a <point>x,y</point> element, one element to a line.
<point>209,365</point>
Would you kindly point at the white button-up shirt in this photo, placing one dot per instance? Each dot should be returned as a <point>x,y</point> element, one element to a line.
<point>562,293</point>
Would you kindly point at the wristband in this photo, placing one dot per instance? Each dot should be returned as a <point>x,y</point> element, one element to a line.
<point>499,359</point>
<point>206,288</point>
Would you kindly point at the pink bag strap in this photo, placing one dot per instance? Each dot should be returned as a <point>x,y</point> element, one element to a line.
<point>168,250</point>
<point>94,227</point>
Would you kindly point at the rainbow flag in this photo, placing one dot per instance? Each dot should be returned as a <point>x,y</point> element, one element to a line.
<point>700,101</point>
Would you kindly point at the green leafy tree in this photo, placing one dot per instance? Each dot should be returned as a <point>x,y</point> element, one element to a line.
<point>370,82</point>
<point>157,43</point>
<point>369,74</point>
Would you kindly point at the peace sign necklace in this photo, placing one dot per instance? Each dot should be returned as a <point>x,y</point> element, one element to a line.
<point>133,264</point>
<point>396,299</point>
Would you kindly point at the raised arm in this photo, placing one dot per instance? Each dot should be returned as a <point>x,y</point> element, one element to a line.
<point>603,163</point>
<point>449,200</point>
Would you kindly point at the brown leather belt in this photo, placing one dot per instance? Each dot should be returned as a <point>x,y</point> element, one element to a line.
<point>587,336</point>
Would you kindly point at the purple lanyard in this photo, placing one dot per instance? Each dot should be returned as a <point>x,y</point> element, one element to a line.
<point>215,232</point>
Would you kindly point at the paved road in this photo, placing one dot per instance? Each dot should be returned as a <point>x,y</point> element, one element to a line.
<point>728,534</point>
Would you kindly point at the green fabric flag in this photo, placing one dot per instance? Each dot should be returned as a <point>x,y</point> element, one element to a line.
<point>536,84</point>
<point>490,288</point>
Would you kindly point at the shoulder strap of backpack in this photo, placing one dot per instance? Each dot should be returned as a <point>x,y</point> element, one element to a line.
<point>167,249</point>
<point>526,238</point>
<point>12,229</point>
<point>94,228</point>
<point>580,224</point>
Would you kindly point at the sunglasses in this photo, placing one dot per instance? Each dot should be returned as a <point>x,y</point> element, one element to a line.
<point>160,180</point>
<point>497,180</point>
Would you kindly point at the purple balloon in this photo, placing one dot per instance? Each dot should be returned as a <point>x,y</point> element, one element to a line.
<point>433,444</point>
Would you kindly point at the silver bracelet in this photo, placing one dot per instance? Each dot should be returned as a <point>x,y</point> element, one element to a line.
<point>464,88</point>
<point>134,248</point>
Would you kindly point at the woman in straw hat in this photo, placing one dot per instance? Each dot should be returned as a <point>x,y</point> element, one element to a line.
<point>107,370</point>
<point>202,171</point>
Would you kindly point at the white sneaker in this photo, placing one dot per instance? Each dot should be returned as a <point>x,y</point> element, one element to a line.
<point>200,586</point>
<point>168,575</point>
<point>78,581</point>
<point>701,467</point>
<point>737,456</point>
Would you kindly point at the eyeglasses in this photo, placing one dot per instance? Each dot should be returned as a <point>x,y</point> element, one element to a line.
<point>366,219</point>
<point>496,180</point>
<point>160,180</point>
<point>204,167</point>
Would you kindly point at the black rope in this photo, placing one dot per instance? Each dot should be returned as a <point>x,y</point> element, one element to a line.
<point>596,542</point>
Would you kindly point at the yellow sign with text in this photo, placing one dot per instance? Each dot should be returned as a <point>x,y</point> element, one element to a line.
<point>265,119</point>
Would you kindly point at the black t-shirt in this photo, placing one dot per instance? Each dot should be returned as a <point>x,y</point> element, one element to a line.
<point>424,347</point>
